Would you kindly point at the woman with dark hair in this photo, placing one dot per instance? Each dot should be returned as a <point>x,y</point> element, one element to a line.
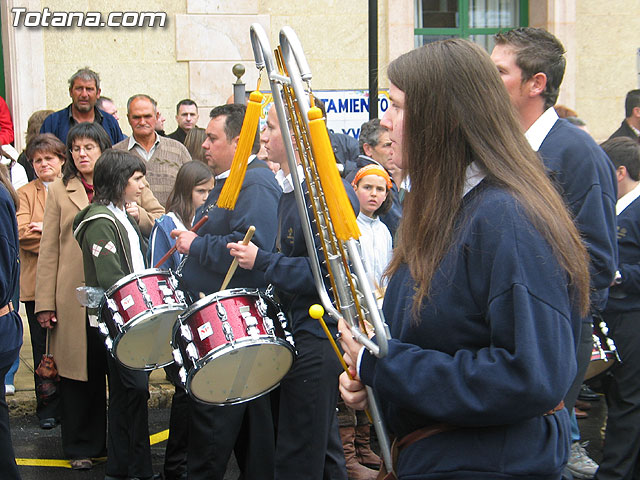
<point>74,339</point>
<point>112,248</point>
<point>46,153</point>
<point>10,323</point>
<point>489,280</point>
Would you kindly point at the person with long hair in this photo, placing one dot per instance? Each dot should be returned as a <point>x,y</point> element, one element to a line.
<point>10,322</point>
<point>106,227</point>
<point>74,338</point>
<point>488,283</point>
<point>47,154</point>
<point>193,184</point>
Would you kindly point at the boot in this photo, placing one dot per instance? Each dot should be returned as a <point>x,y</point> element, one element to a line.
<point>355,471</point>
<point>363,447</point>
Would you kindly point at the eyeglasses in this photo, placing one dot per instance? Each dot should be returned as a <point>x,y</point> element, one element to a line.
<point>87,148</point>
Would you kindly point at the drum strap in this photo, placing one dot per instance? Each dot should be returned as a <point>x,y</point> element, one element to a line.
<point>8,308</point>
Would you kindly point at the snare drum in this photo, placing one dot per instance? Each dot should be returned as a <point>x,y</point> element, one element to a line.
<point>604,354</point>
<point>137,317</point>
<point>233,346</point>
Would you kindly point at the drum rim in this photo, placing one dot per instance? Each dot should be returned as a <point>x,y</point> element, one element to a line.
<point>218,352</point>
<point>223,295</point>
<point>135,275</point>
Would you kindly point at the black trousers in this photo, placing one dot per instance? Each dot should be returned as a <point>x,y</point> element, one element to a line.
<point>214,432</point>
<point>621,452</point>
<point>308,441</point>
<point>129,451</point>
<point>175,455</point>
<point>583,355</point>
<point>83,405</point>
<point>8,467</point>
<point>50,408</point>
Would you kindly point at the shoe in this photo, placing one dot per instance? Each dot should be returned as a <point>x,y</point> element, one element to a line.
<point>9,390</point>
<point>580,414</point>
<point>579,464</point>
<point>355,471</point>
<point>587,394</point>
<point>365,455</point>
<point>81,464</point>
<point>48,423</point>
<point>582,405</point>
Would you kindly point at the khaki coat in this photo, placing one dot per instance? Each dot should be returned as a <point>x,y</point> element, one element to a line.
<point>32,197</point>
<point>60,271</point>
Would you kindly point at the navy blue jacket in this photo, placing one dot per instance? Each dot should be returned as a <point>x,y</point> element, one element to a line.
<point>290,271</point>
<point>626,296</point>
<point>586,179</point>
<point>209,258</point>
<point>59,123</point>
<point>10,324</point>
<point>483,354</point>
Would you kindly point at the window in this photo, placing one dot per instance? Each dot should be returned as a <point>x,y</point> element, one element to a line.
<point>476,20</point>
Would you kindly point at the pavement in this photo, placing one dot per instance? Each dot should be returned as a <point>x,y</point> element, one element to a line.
<point>23,402</point>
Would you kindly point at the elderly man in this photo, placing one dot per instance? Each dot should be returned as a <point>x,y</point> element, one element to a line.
<point>163,156</point>
<point>84,90</point>
<point>187,117</point>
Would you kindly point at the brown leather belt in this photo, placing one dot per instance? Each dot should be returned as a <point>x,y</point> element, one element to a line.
<point>8,308</point>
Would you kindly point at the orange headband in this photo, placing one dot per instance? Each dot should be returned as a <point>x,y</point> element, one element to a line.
<point>372,169</point>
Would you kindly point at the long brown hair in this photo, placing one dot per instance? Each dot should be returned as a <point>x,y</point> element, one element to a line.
<point>6,181</point>
<point>180,202</point>
<point>457,111</point>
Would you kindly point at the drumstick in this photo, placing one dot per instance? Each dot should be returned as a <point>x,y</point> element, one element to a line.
<point>194,229</point>
<point>234,264</point>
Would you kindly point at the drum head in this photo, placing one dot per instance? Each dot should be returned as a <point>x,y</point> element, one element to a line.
<point>241,373</point>
<point>146,342</point>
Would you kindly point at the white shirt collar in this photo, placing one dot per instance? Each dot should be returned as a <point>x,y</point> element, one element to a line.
<point>473,176</point>
<point>133,143</point>
<point>540,128</point>
<point>226,173</point>
<point>627,199</point>
<point>286,182</point>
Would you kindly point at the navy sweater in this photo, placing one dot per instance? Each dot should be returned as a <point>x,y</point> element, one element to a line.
<point>290,271</point>
<point>483,354</point>
<point>626,296</point>
<point>209,258</point>
<point>586,179</point>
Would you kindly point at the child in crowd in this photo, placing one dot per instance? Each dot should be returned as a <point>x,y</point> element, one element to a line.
<point>372,185</point>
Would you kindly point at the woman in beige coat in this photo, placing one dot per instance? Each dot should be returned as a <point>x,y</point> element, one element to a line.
<point>46,153</point>
<point>77,346</point>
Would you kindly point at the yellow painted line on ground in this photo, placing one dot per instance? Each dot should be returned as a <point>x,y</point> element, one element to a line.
<point>41,462</point>
<point>159,437</point>
<point>44,462</point>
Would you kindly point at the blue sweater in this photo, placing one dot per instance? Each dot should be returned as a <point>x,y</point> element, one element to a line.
<point>209,258</point>
<point>626,296</point>
<point>59,123</point>
<point>483,354</point>
<point>586,179</point>
<point>290,271</point>
<point>10,324</point>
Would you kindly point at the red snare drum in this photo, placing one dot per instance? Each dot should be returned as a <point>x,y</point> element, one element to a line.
<point>604,354</point>
<point>233,346</point>
<point>137,318</point>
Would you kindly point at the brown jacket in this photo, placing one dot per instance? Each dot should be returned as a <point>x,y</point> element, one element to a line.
<point>60,271</point>
<point>32,197</point>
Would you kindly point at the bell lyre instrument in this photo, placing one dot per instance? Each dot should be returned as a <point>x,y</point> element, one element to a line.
<point>353,298</point>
